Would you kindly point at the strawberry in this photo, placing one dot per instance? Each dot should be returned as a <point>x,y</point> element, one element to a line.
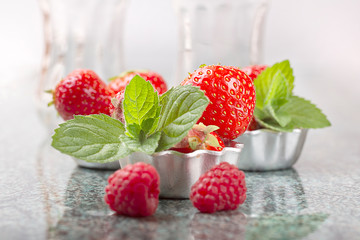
<point>254,125</point>
<point>253,71</point>
<point>81,92</point>
<point>200,137</point>
<point>213,147</point>
<point>119,83</point>
<point>232,98</point>
<point>116,108</point>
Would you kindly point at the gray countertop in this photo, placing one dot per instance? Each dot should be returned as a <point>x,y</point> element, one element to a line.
<point>44,195</point>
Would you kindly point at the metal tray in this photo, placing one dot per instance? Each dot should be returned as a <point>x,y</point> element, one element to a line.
<point>179,171</point>
<point>267,150</point>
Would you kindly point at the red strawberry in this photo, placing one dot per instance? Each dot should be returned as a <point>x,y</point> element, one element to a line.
<point>81,92</point>
<point>200,137</point>
<point>119,83</point>
<point>253,71</point>
<point>116,109</point>
<point>232,98</point>
<point>254,125</point>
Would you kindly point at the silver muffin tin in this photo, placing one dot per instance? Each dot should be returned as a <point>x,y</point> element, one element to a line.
<point>267,150</point>
<point>179,171</point>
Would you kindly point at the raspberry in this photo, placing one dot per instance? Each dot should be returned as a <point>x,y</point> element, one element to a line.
<point>133,190</point>
<point>223,187</point>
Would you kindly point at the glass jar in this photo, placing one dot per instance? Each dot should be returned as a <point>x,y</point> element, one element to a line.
<point>79,34</point>
<point>227,32</point>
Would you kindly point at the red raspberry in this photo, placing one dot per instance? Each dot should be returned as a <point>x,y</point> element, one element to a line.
<point>223,187</point>
<point>134,190</point>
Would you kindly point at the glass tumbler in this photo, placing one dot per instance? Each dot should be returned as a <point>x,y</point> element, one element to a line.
<point>228,32</point>
<point>79,34</point>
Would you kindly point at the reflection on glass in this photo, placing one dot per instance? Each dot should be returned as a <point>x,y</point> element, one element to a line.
<point>283,226</point>
<point>74,208</point>
<point>279,192</point>
<point>272,210</point>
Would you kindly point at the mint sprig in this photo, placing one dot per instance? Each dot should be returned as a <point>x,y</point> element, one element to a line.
<point>152,124</point>
<point>277,108</point>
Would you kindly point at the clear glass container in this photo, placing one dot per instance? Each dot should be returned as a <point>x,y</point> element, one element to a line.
<point>79,34</point>
<point>228,32</point>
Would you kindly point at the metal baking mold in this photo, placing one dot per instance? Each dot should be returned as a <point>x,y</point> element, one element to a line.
<point>179,171</point>
<point>266,150</point>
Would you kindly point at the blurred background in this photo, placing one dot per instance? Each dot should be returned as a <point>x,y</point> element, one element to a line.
<point>320,38</point>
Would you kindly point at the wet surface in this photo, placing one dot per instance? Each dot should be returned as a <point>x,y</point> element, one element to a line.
<point>45,195</point>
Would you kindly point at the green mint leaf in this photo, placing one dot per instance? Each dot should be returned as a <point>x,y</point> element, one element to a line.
<point>282,118</point>
<point>274,85</point>
<point>165,96</point>
<point>144,144</point>
<point>140,101</point>
<point>265,118</point>
<point>303,114</point>
<point>274,125</point>
<point>133,130</point>
<point>93,138</point>
<point>182,106</point>
<point>149,125</point>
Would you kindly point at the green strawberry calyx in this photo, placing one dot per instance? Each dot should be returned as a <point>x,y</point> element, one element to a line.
<point>200,136</point>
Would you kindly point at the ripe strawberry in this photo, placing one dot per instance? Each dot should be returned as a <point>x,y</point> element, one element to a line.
<point>200,137</point>
<point>253,71</point>
<point>119,83</point>
<point>254,125</point>
<point>81,92</point>
<point>116,108</point>
<point>232,98</point>
<point>223,187</point>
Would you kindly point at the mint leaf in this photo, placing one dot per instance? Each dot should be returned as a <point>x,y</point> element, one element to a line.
<point>140,101</point>
<point>277,108</point>
<point>274,125</point>
<point>144,144</point>
<point>93,138</point>
<point>274,85</point>
<point>303,114</point>
<point>133,130</point>
<point>281,118</point>
<point>149,124</point>
<point>182,106</point>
